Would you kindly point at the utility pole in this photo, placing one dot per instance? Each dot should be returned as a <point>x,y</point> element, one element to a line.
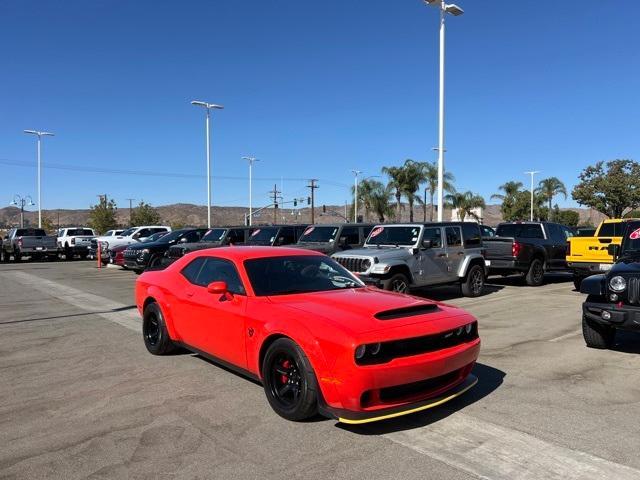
<point>130,209</point>
<point>355,195</point>
<point>532,173</point>
<point>312,185</point>
<point>275,192</point>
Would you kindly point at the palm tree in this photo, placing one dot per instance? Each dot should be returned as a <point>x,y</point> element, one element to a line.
<point>396,181</point>
<point>549,188</point>
<point>510,190</point>
<point>465,203</point>
<point>414,176</point>
<point>366,190</point>
<point>431,178</point>
<point>381,201</point>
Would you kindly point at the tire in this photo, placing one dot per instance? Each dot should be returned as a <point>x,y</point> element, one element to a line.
<point>154,261</point>
<point>473,285</point>
<point>289,381</point>
<point>396,283</point>
<point>154,331</point>
<point>4,256</point>
<point>68,253</point>
<point>577,282</point>
<point>17,256</point>
<point>596,335</point>
<point>535,274</point>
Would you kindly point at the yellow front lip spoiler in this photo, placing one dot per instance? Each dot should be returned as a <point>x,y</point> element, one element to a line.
<point>470,382</point>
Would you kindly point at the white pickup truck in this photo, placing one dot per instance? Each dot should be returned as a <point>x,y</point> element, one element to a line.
<point>75,241</point>
<point>129,236</point>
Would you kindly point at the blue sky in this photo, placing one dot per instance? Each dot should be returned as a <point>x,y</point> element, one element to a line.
<point>313,89</point>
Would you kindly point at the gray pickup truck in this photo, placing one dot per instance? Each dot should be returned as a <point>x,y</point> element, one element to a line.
<point>329,239</point>
<point>29,242</point>
<point>404,256</point>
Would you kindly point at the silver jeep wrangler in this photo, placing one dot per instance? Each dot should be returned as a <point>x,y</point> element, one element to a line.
<point>403,256</point>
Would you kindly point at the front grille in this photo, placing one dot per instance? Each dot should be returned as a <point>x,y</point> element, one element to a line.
<point>131,253</point>
<point>634,290</point>
<point>94,243</point>
<point>419,345</point>
<point>424,387</point>
<point>356,265</point>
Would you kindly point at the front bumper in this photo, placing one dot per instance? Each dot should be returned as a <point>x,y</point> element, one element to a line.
<point>586,269</point>
<point>623,317</point>
<point>356,418</point>
<point>136,263</point>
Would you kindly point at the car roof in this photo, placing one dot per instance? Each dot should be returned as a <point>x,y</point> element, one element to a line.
<point>242,253</point>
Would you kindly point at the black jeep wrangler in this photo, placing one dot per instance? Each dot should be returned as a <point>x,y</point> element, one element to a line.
<point>613,301</point>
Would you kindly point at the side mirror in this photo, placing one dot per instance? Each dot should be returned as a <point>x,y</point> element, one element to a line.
<point>613,250</point>
<point>217,288</point>
<point>343,240</point>
<point>183,240</point>
<point>427,244</point>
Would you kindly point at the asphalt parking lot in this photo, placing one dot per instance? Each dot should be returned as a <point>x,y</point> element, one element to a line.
<point>82,398</point>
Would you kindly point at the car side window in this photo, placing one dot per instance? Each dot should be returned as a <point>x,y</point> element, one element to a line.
<point>286,236</point>
<point>145,232</point>
<point>235,236</point>
<point>471,233</point>
<point>351,234</point>
<point>454,239</point>
<point>556,232</point>
<point>435,235</point>
<point>191,271</point>
<point>568,233</point>
<point>157,230</point>
<point>192,236</point>
<point>217,270</point>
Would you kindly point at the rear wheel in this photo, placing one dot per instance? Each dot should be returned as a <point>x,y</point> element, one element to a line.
<point>155,261</point>
<point>396,283</point>
<point>17,256</point>
<point>289,381</point>
<point>596,335</point>
<point>154,331</point>
<point>535,275</point>
<point>473,285</point>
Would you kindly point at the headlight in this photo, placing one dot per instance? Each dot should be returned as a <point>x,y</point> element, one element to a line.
<point>145,251</point>
<point>618,284</point>
<point>360,351</point>
<point>378,268</point>
<point>369,350</point>
<point>366,264</point>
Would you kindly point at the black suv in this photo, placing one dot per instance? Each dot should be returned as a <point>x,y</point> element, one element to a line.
<point>613,301</point>
<point>215,237</point>
<point>140,256</point>
<point>329,239</point>
<point>275,235</point>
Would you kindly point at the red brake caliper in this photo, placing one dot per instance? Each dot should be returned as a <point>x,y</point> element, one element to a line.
<point>286,364</point>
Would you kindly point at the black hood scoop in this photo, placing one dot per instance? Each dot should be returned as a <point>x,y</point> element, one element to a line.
<point>404,312</point>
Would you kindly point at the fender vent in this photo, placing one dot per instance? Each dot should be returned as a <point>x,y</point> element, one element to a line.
<point>414,311</point>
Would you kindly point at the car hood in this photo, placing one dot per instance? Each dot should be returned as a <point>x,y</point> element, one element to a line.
<point>354,309</point>
<point>143,245</point>
<point>382,254</point>
<point>626,266</point>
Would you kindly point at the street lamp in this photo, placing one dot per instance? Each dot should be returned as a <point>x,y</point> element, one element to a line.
<point>251,161</point>
<point>39,135</point>
<point>22,201</point>
<point>208,107</point>
<point>532,173</point>
<point>456,11</point>
<point>355,197</point>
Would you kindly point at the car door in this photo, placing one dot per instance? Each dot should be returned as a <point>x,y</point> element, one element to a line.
<point>455,250</point>
<point>209,322</point>
<point>432,261</point>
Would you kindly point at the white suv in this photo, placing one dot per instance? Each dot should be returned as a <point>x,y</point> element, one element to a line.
<point>129,236</point>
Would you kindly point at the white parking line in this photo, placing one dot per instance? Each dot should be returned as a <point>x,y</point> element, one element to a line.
<point>108,309</point>
<point>493,452</point>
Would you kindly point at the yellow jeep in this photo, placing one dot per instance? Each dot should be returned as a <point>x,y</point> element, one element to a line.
<point>588,255</point>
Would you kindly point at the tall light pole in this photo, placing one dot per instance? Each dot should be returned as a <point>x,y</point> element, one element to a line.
<point>39,135</point>
<point>532,173</point>
<point>251,161</point>
<point>208,107</point>
<point>22,201</point>
<point>355,195</point>
<point>454,10</point>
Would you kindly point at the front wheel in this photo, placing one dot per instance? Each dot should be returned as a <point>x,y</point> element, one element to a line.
<point>289,381</point>
<point>473,285</point>
<point>577,282</point>
<point>596,335</point>
<point>535,275</point>
<point>4,256</point>
<point>17,256</point>
<point>396,283</point>
<point>154,331</point>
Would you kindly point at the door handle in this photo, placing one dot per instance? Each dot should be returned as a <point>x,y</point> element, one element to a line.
<point>441,255</point>
<point>189,294</point>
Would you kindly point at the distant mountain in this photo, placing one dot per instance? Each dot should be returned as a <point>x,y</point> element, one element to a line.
<point>186,214</point>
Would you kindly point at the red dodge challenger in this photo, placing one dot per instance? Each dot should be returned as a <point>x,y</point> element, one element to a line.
<point>314,335</point>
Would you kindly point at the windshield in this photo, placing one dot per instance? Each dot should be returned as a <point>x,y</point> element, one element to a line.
<point>395,236</point>
<point>74,232</point>
<point>128,232</point>
<point>30,232</point>
<point>631,240</point>
<point>263,236</point>
<point>154,237</point>
<point>214,235</point>
<point>319,234</point>
<point>298,274</point>
<point>172,236</point>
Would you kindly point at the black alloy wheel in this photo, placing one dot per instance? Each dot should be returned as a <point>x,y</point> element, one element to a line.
<point>289,382</point>
<point>397,283</point>
<point>154,331</point>
<point>473,286</point>
<point>535,275</point>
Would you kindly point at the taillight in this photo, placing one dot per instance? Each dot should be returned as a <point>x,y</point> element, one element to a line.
<point>515,249</point>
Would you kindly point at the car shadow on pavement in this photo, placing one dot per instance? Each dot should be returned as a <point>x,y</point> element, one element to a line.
<point>489,379</point>
<point>518,280</point>
<point>69,315</point>
<point>449,292</point>
<point>627,342</point>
